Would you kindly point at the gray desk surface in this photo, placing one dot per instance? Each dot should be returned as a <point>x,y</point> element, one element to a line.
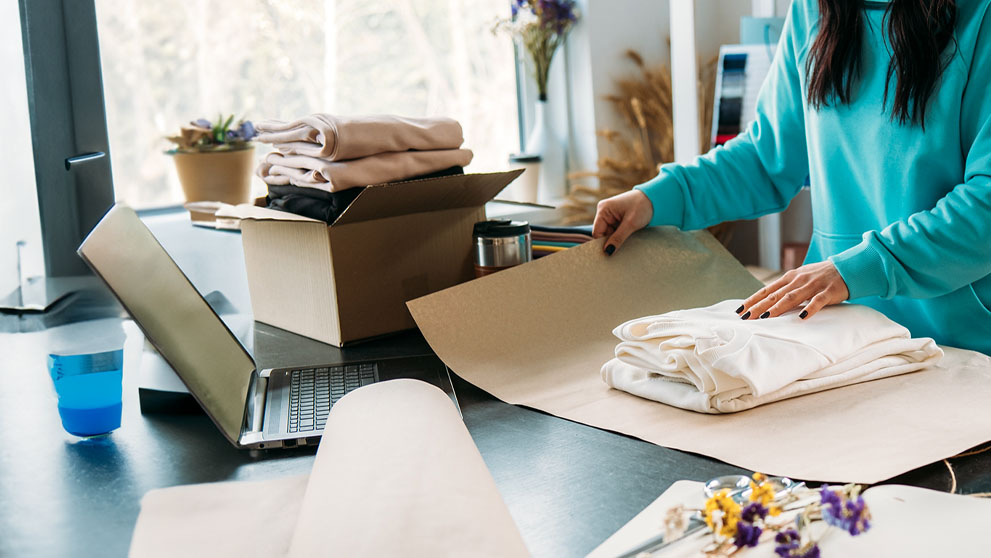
<point>568,486</point>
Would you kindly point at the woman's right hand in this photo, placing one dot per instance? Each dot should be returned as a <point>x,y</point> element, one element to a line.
<point>620,216</point>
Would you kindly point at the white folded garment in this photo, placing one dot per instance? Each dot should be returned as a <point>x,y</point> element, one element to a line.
<point>709,360</point>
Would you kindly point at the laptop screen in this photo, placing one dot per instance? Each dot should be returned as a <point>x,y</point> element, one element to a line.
<point>174,317</point>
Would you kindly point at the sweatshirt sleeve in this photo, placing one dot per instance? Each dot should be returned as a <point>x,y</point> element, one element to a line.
<point>935,252</point>
<point>754,174</point>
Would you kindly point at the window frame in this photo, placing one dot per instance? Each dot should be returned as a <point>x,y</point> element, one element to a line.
<point>68,126</point>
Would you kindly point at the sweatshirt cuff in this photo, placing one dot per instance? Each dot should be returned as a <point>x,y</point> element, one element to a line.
<point>666,196</point>
<point>862,269</point>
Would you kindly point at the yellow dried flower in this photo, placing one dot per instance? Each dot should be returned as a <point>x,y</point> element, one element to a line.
<point>722,514</point>
<point>763,493</point>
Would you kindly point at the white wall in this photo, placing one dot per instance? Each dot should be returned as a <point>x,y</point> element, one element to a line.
<point>19,206</point>
<point>619,25</point>
<point>717,22</point>
<point>595,57</point>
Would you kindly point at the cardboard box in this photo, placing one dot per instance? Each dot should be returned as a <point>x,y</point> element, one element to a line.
<point>351,280</point>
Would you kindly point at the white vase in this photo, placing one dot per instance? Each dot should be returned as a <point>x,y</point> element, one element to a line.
<point>545,141</point>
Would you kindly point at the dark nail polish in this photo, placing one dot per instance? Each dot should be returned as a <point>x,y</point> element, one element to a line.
<point>740,309</point>
<point>610,249</point>
<point>803,314</point>
<point>745,316</point>
<point>765,314</point>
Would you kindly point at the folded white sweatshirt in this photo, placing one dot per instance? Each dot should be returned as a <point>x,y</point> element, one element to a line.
<point>709,360</point>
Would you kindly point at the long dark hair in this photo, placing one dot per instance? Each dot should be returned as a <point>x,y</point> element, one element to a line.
<point>917,30</point>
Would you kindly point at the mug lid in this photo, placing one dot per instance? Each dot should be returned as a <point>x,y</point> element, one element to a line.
<point>501,227</point>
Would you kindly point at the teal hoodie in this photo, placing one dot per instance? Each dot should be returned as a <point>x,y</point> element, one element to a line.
<point>903,212</point>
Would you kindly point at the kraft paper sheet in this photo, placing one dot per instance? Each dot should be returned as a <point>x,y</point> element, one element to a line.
<point>537,335</point>
<point>249,519</point>
<point>397,474</point>
<point>907,521</point>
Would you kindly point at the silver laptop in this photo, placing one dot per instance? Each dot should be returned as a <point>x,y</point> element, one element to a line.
<point>258,409</point>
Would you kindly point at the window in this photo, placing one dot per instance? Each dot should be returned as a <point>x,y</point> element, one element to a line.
<point>168,62</point>
<point>20,230</point>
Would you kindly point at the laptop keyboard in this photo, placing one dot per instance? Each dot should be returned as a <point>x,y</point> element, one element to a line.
<point>312,392</point>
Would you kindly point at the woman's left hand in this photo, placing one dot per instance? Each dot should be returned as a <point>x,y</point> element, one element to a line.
<point>819,284</point>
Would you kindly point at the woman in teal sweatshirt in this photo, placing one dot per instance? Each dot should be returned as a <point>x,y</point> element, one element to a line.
<point>886,107</point>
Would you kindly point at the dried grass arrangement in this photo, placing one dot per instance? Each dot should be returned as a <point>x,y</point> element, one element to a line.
<point>644,103</point>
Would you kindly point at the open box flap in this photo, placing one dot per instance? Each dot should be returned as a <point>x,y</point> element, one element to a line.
<point>419,196</point>
<point>250,211</point>
<point>400,198</point>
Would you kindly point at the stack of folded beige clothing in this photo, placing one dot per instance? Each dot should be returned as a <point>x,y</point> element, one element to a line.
<point>334,153</point>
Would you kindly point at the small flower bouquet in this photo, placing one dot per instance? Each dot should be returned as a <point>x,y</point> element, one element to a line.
<point>202,135</point>
<point>735,523</point>
<point>541,25</point>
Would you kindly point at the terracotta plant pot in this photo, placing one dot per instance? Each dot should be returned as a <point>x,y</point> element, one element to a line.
<point>223,176</point>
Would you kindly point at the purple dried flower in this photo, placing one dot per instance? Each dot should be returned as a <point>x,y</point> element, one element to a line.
<point>516,5</point>
<point>786,541</point>
<point>247,130</point>
<point>828,497</point>
<point>557,14</point>
<point>848,514</point>
<point>747,534</point>
<point>752,512</point>
<point>244,132</point>
<point>203,123</point>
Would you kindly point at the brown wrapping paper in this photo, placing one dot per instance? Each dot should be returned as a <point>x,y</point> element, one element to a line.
<point>397,474</point>
<point>537,335</point>
<point>402,477</point>
<point>246,519</point>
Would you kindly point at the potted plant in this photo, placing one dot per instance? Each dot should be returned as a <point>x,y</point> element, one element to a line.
<point>215,160</point>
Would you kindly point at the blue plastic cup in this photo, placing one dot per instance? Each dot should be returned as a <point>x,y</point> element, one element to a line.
<point>89,391</point>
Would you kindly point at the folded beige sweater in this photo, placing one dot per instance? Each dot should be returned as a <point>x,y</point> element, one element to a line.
<point>279,169</point>
<point>338,138</point>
